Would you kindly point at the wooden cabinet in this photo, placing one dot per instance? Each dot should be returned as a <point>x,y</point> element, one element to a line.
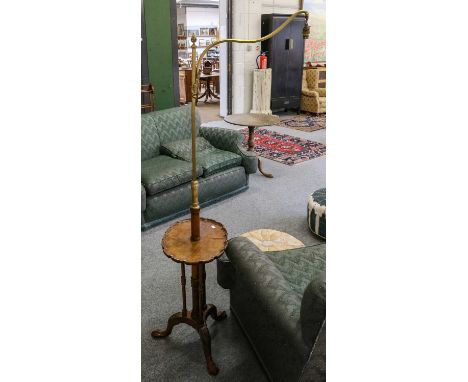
<point>185,85</point>
<point>285,54</point>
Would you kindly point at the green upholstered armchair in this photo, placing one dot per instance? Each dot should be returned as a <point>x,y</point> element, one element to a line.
<point>278,298</point>
<point>166,170</point>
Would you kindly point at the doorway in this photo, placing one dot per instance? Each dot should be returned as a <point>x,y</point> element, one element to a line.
<point>206,19</point>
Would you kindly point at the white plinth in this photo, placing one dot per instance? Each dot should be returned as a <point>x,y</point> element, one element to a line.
<point>261,96</point>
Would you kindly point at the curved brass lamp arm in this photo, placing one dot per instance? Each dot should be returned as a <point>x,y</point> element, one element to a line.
<point>266,37</point>
<point>195,208</point>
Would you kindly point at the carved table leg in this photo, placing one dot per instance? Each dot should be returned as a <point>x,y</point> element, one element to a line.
<point>251,147</point>
<point>175,319</point>
<point>206,340</point>
<point>196,318</point>
<point>212,311</point>
<point>260,168</point>
<point>251,141</point>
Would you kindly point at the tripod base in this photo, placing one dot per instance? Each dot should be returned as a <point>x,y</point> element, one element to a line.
<point>200,327</point>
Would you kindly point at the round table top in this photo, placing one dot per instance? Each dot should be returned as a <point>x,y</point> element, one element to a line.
<point>213,74</point>
<point>252,119</point>
<point>176,243</point>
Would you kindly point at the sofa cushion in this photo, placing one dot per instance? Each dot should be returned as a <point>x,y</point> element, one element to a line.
<point>149,137</point>
<point>163,173</point>
<point>176,123</point>
<point>209,157</point>
<point>217,160</point>
<point>182,148</point>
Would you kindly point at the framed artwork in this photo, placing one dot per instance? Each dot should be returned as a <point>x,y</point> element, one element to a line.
<point>315,45</point>
<point>182,44</point>
<point>201,42</point>
<point>191,32</point>
<point>213,31</point>
<point>180,30</point>
<point>204,31</point>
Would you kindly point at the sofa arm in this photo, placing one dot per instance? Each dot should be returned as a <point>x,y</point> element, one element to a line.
<point>310,93</point>
<point>225,272</point>
<point>230,140</point>
<point>322,92</point>
<point>313,308</point>
<point>143,199</point>
<point>257,275</point>
<point>315,368</point>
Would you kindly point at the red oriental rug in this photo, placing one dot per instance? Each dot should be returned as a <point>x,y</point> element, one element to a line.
<point>284,148</point>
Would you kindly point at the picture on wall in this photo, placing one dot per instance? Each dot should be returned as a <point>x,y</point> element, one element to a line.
<point>213,31</point>
<point>315,45</point>
<point>180,30</point>
<point>204,31</point>
<point>191,32</point>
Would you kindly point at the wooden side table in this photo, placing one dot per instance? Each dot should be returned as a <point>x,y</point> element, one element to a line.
<point>253,120</point>
<point>208,78</point>
<point>176,245</point>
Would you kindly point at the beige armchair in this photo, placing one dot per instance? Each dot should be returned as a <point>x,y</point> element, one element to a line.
<point>314,92</point>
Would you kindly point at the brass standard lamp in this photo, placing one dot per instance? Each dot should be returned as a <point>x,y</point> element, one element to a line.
<point>195,209</point>
<point>197,241</point>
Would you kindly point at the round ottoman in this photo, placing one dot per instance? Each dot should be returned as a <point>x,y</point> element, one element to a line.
<point>316,212</point>
<point>271,240</point>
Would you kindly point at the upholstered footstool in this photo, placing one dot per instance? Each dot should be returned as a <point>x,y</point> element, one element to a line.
<point>316,212</point>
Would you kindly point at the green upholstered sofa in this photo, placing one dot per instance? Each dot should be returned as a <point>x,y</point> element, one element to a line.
<point>278,299</point>
<point>166,170</point>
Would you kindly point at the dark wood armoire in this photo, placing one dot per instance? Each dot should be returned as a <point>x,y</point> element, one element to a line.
<point>286,59</point>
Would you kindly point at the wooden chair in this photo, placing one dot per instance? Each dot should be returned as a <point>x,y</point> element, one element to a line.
<point>147,98</point>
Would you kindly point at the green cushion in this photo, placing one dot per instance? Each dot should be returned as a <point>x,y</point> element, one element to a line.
<point>163,173</point>
<point>182,148</point>
<point>209,158</point>
<point>299,266</point>
<point>175,123</point>
<point>149,137</point>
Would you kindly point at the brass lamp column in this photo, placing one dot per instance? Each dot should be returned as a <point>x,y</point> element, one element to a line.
<point>195,209</point>
<point>197,241</point>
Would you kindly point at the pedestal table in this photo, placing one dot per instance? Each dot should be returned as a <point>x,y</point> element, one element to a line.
<point>176,245</point>
<point>253,120</point>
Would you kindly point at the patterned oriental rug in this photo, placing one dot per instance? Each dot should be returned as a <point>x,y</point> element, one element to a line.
<point>283,148</point>
<point>304,122</point>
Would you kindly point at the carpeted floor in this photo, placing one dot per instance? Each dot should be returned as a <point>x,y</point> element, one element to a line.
<point>209,111</point>
<point>279,203</point>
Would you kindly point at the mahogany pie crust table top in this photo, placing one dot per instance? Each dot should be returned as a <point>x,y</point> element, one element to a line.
<point>178,246</point>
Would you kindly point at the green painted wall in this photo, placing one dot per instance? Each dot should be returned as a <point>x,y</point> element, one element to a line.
<point>159,46</point>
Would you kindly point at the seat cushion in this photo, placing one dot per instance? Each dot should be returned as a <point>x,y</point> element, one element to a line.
<point>300,266</point>
<point>162,173</point>
<point>210,158</point>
